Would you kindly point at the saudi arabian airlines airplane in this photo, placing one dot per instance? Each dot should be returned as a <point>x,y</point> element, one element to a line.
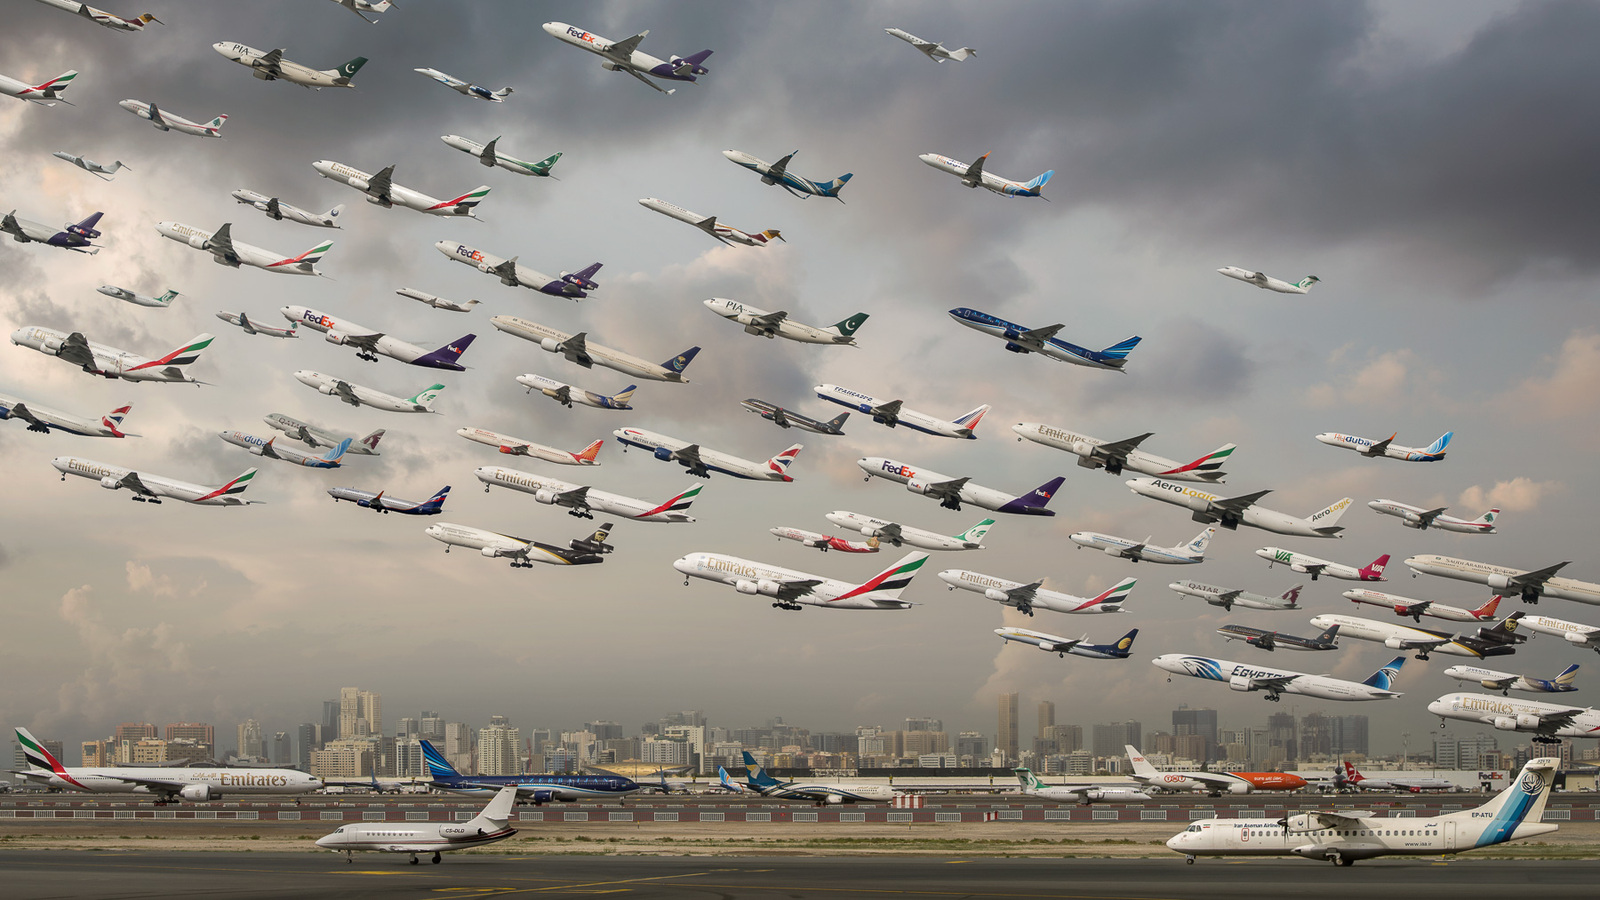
<point>566,395</point>
<point>357,395</point>
<point>1260,280</point>
<point>312,436</point>
<point>489,156</point>
<point>1044,341</point>
<point>1082,794</point>
<point>724,233</point>
<point>250,327</point>
<point>1114,456</point>
<point>624,56</point>
<point>382,191</point>
<point>577,349</point>
<point>45,93</point>
<point>102,18</point>
<point>379,502</point>
<point>519,447</point>
<point>1547,722</point>
<point>466,88</point>
<point>109,362</point>
<point>436,301</point>
<point>360,7</point>
<point>193,783</point>
<point>952,492</point>
<point>1531,584</point>
<point>228,252</point>
<point>69,237</point>
<point>368,343</point>
<point>1025,598</point>
<point>512,273</point>
<point>1277,682</point>
<point>973,176</point>
<point>778,173</point>
<point>43,418</point>
<point>1311,565</point>
<point>788,418</point>
<point>1422,519</point>
<point>583,501</point>
<point>491,824</point>
<point>264,447</point>
<point>522,552</point>
<point>1228,598</point>
<point>1505,682</point>
<point>826,793</point>
<point>98,170</point>
<point>1061,646</point>
<point>166,121</point>
<point>1416,609</point>
<point>1214,783</point>
<point>1499,640</point>
<point>1371,448</point>
<point>790,589</point>
<point>1574,633</point>
<point>277,209</point>
<point>269,65</point>
<point>931,49</point>
<point>893,413</point>
<point>769,325</point>
<point>701,462</point>
<point>151,488</point>
<point>161,302</point>
<point>1231,512</point>
<point>1141,551</point>
<point>824,542</point>
<point>896,535</point>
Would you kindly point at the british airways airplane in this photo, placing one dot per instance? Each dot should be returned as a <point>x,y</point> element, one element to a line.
<point>1020,339</point>
<point>539,789</point>
<point>894,412</point>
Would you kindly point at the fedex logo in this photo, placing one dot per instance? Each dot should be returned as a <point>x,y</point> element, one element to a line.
<point>894,468</point>
<point>316,320</point>
<point>466,252</point>
<point>581,35</point>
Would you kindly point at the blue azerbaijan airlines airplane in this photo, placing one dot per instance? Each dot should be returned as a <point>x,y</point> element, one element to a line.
<point>539,789</point>
<point>1044,341</point>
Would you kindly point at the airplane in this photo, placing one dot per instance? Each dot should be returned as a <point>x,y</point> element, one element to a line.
<point>785,418</point>
<point>791,589</point>
<point>897,535</point>
<point>193,783</point>
<point>519,447</point>
<point>166,121</point>
<point>824,542</point>
<point>973,176</point>
<point>1231,512</point>
<point>701,462</point>
<point>381,190</point>
<point>1061,646</point>
<point>1141,551</point>
<point>1547,722</point>
<point>566,394</point>
<point>522,552</point>
<point>1114,456</point>
<point>931,49</point>
<point>727,234</point>
<point>1228,598</point>
<point>161,302</point>
<point>726,785</point>
<point>271,66</point>
<point>511,273</point>
<point>1025,598</point>
<point>820,793</point>
<point>624,56</point>
<point>1343,836</point>
<point>1370,448</point>
<point>1402,783</point>
<point>1505,682</point>
<point>1044,341</point>
<point>537,789</point>
<point>1311,565</point>
<point>277,209</point>
<point>778,173</point>
<point>99,170</point>
<point>489,156</point>
<point>316,437</point>
<point>1422,519</point>
<point>226,251</point>
<point>1416,609</point>
<point>110,362</point>
<point>466,88</point>
<point>365,6</point>
<point>149,488</point>
<point>45,93</point>
<point>893,413</point>
<point>1573,632</point>
<point>577,349</point>
<point>264,447</point>
<point>356,395</point>
<point>435,301</point>
<point>369,343</point>
<point>1213,783</point>
<point>1260,280</point>
<point>1531,584</point>
<point>952,492</point>
<point>1498,640</point>
<point>1269,641</point>
<point>103,18</point>
<point>769,325</point>
<point>380,503</point>
<point>1277,682</point>
<point>69,237</point>
<point>491,824</point>
<point>583,501</point>
<point>43,418</point>
<point>1083,794</point>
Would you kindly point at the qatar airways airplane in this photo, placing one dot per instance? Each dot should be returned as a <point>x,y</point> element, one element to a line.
<point>1025,598</point>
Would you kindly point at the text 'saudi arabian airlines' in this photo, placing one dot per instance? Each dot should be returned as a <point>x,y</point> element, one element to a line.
<point>43,419</point>
<point>973,176</point>
<point>952,492</point>
<point>228,252</point>
<point>1277,682</point>
<point>167,121</point>
<point>1214,783</point>
<point>1547,722</point>
<point>1114,456</point>
<point>110,362</point>
<point>1422,518</point>
<point>790,589</point>
<point>577,349</point>
<point>492,824</point>
<point>1231,512</point>
<point>195,783</point>
<point>152,488</point>
<point>523,552</point>
<point>359,395</point>
<point>1371,448</point>
<point>1025,598</point>
<point>1531,584</point>
<point>583,501</point>
<point>624,56</point>
<point>381,190</point>
<point>762,323</point>
<point>1267,282</point>
<point>1020,339</point>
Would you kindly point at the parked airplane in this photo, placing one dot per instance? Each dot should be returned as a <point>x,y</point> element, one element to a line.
<point>892,413</point>
<point>789,589</point>
<point>435,301</point>
<point>583,501</point>
<point>277,209</point>
<point>1114,456</point>
<point>896,535</point>
<point>624,56</point>
<point>1531,584</point>
<point>538,789</point>
<point>786,418</point>
<point>1231,512</point>
<point>149,488</point>
<point>519,447</point>
<point>271,66</point>
<point>724,233</point>
<point>161,302</point>
<point>824,542</point>
<point>932,49</point>
<point>489,156</point>
<point>1061,646</point>
<point>250,327</point>
<point>701,462</point>
<point>523,552</point>
<point>1547,722</point>
<point>1422,519</point>
<point>952,492</point>
<point>99,170</point>
<point>365,6</point>
<point>1264,639</point>
<point>193,783</point>
<point>43,418</point>
<point>511,273</point>
<point>1214,783</point>
<point>369,343</point>
<point>69,237</point>
<point>1260,280</point>
<point>166,121</point>
<point>1505,682</point>
<point>778,173</point>
<point>264,447</point>
<point>466,88</point>
<point>110,362</point>
<point>380,503</point>
<point>1414,784</point>
<point>973,176</point>
<point>1276,682</point>
<point>1311,565</point>
<point>819,793</point>
<point>765,324</point>
<point>726,785</point>
<point>312,436</point>
<point>1228,598</point>
<point>1082,794</point>
<point>1025,598</point>
<point>103,18</point>
<point>1499,640</point>
<point>381,190</point>
<point>566,394</point>
<point>1573,632</point>
<point>1141,551</point>
<point>45,93</point>
<point>1416,609</point>
<point>1044,341</point>
<point>229,252</point>
<point>491,824</point>
<point>1370,448</point>
<point>357,395</point>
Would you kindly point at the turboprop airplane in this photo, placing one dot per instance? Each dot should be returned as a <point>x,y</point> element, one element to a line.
<point>583,501</point>
<point>952,492</point>
<point>1141,551</point>
<point>277,209</point>
<point>43,418</point>
<point>312,436</point>
<point>701,462</point>
<point>69,237</point>
<point>109,362</point>
<point>537,789</point>
<point>1371,448</point>
<point>228,252</point>
<point>724,233</point>
<point>1573,632</point>
<point>1214,783</point>
<point>1025,598</point>
<point>1416,609</point>
<point>166,121</point>
<point>270,65</point>
<point>932,49</point>
<point>973,176</point>
<point>492,824</point>
<point>1061,646</point>
<point>1231,512</point>
<point>826,793</point>
<point>99,170</point>
<point>161,302</point>
<point>365,6</point>
<point>1260,280</point>
<point>1499,640</point>
<point>778,173</point>
<point>1082,794</point>
<point>149,488</point>
<point>1547,722</point>
<point>357,395</point>
<point>519,447</point>
<point>489,156</point>
<point>522,552</point>
<point>786,418</point>
<point>264,447</point>
<point>1269,641</point>
<point>380,503</point>
<point>577,349</point>
<point>45,93</point>
<point>381,190</point>
<point>1422,519</point>
<point>1343,836</point>
<point>102,18</point>
<point>824,542</point>
<point>624,56</point>
<point>1414,784</point>
<point>892,413</point>
<point>511,273</point>
<point>1505,682</point>
<point>769,325</point>
<point>435,301</point>
<point>1228,598</point>
<point>896,535</point>
<point>466,88</point>
<point>1277,682</point>
<point>790,589</point>
<point>369,344</point>
<point>1114,456</point>
<point>1310,565</point>
<point>566,395</point>
<point>1531,584</point>
<point>1044,341</point>
<point>166,784</point>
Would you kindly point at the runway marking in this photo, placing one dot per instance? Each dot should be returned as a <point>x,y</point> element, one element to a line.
<point>957,862</point>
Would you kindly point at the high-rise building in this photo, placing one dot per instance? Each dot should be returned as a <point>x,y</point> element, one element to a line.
<point>1349,736</point>
<point>1283,735</point>
<point>668,752</point>
<point>198,732</point>
<point>924,723</point>
<point>1066,738</point>
<point>360,713</point>
<point>431,726</point>
<point>694,736</point>
<point>408,758</point>
<point>250,741</point>
<point>408,728</point>
<point>458,746</point>
<point>134,731</point>
<point>282,748</point>
<point>499,748</point>
<point>1112,739</point>
<point>605,731</point>
<point>1006,737</point>
<point>1316,736</point>
<point>972,747</point>
<point>343,759</point>
<point>1197,721</point>
<point>306,741</point>
<point>330,722</point>
<point>1047,717</point>
<point>95,753</point>
<point>924,743</point>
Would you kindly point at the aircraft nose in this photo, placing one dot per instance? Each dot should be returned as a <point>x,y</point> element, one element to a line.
<point>127,104</point>
<point>18,336</point>
<point>682,564</point>
<point>554,27</point>
<point>926,157</point>
<point>1172,842</point>
<point>326,841</point>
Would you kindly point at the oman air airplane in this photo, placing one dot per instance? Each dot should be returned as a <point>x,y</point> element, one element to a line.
<point>1499,640</point>
<point>1214,783</point>
<point>1416,609</point>
<point>566,395</point>
<point>382,191</point>
<point>790,589</point>
<point>931,49</point>
<point>1025,598</point>
<point>1310,565</point>
<point>1547,722</point>
<point>824,793</point>
<point>624,56</point>
<point>312,436</point>
<point>244,322</point>
<point>896,535</point>
<point>102,18</point>
<point>436,301</point>
<point>381,502</point>
<point>68,237</point>
<point>194,783</point>
<point>488,155</point>
<point>1141,551</point>
<point>1260,280</point>
<point>1114,456</point>
<point>466,88</point>
<point>1531,584</point>
<point>98,359</point>
<point>824,542</point>
<point>952,492</point>
<point>523,552</point>
<point>577,349</point>
<point>702,462</point>
<point>893,413</point>
<point>1061,646</point>
<point>166,121</point>
<point>357,395</point>
<point>512,273</point>
<point>769,325</point>
<point>277,209</point>
<point>1044,341</point>
<point>519,447</point>
<point>778,173</point>
<point>1371,448</point>
<point>1277,682</point>
<point>228,252</point>
<point>269,65</point>
<point>973,176</point>
<point>99,170</point>
<point>161,302</point>
<point>491,824</point>
<point>583,501</point>
<point>264,447</point>
<point>1231,512</point>
<point>1505,682</point>
<point>1572,632</point>
<point>1228,598</point>
<point>788,418</point>
<point>42,419</point>
<point>724,233</point>
<point>1422,519</point>
<point>369,344</point>
<point>151,488</point>
<point>45,93</point>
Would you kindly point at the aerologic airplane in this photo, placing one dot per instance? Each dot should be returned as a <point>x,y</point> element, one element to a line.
<point>312,436</point>
<point>488,155</point>
<point>1530,584</point>
<point>361,7</point>
<point>1547,722</point>
<point>1505,682</point>
<point>1277,682</point>
<point>381,190</point>
<point>102,18</point>
<point>250,326</point>
<point>788,418</point>
<point>194,783</point>
<point>1025,598</point>
<point>1115,456</point>
<point>1416,609</point>
<point>1574,633</point>
<point>566,395</point>
<point>436,301</point>
<point>1311,565</point>
<point>790,589</point>
<point>492,824</point>
<point>1265,282</point>
<point>110,362</point>
<point>42,419</point>
<point>1081,794</point>
<point>893,413</point>
<point>1231,512</point>
<point>769,325</point>
<point>368,343</point>
<point>1214,783</point>
<point>161,302</point>
<point>624,56</point>
<point>576,348</point>
<point>1268,640</point>
<point>824,542</point>
<point>277,209</point>
<point>1499,640</point>
<point>166,121</point>
<point>778,173</point>
<point>466,88</point>
<point>1061,646</point>
<point>1370,448</point>
<point>148,488</point>
<point>264,447</point>
<point>724,233</point>
<point>45,93</point>
<point>99,170</point>
<point>1141,551</point>
<point>519,447</point>
<point>896,535</point>
<point>973,176</point>
<point>701,462</point>
<point>537,789</point>
<point>69,237</point>
<point>1044,341</point>
<point>1228,598</point>
<point>228,252</point>
<point>269,65</point>
<point>523,552</point>
<point>1422,519</point>
<point>380,502</point>
<point>818,793</point>
<point>574,285</point>
<point>583,501</point>
<point>931,49</point>
<point>357,395</point>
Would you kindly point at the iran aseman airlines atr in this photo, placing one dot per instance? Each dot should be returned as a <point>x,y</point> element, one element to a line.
<point>1114,456</point>
<point>1231,512</point>
<point>789,589</point>
<point>359,395</point>
<point>1267,282</point>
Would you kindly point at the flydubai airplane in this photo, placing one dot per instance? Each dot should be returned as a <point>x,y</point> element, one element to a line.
<point>824,542</point>
<point>1311,565</point>
<point>790,589</point>
<point>45,93</point>
<point>263,447</point>
<point>161,302</point>
<point>1061,646</point>
<point>1228,598</point>
<point>1020,339</point>
<point>1416,609</point>
<point>357,395</point>
<point>778,173</point>
<point>1025,598</point>
<point>69,237</point>
<point>523,552</point>
<point>583,501</point>
<point>110,362</point>
<point>435,301</point>
<point>1499,640</point>
<point>952,492</point>
<point>1277,682</point>
<point>1141,551</point>
<point>1547,722</point>
<point>566,395</point>
<point>896,535</point>
<point>277,209</point>
<point>492,824</point>
<point>466,88</point>
<point>228,252</point>
<point>369,343</point>
<point>488,155</point>
<point>379,502</point>
<point>243,321</point>
<point>166,121</point>
<point>193,783</point>
<point>102,171</point>
<point>709,224</point>
<point>382,191</point>
<point>512,273</point>
<point>893,413</point>
<point>973,176</point>
<point>1370,448</point>
<point>624,56</point>
<point>102,18</point>
<point>931,49</point>
<point>577,349</point>
<point>769,325</point>
<point>819,793</point>
<point>1265,282</point>
<point>1082,794</point>
<point>1214,783</point>
<point>519,447</point>
<point>1114,456</point>
<point>1422,519</point>
<point>1573,633</point>
<point>538,789</point>
<point>269,65</point>
<point>1505,682</point>
<point>788,418</point>
<point>1531,584</point>
<point>43,418</point>
<point>701,462</point>
<point>313,436</point>
<point>1231,512</point>
<point>148,488</point>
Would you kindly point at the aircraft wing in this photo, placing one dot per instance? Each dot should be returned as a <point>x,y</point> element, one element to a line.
<point>949,488</point>
<point>10,225</point>
<point>1042,334</point>
<point>891,533</point>
<point>382,183</point>
<point>1499,684</point>
<point>975,173</point>
<point>1238,504</point>
<point>364,341</point>
<point>160,784</point>
<point>21,411</point>
<point>1226,598</point>
<point>346,393</point>
<point>1428,516</point>
<point>780,168</point>
<point>1339,818</point>
<point>1120,449</point>
<point>1552,721</point>
<point>1134,550</point>
<point>1378,447</point>
<point>156,117</point>
<point>1537,576</point>
<point>221,243</point>
<point>576,349</point>
<point>791,590</point>
<point>1025,593</point>
<point>1314,569</point>
<point>1275,683</point>
<point>578,497</point>
<point>271,61</point>
<point>890,411</point>
<point>487,153</point>
<point>769,320</point>
<point>132,482</point>
<point>622,50</point>
<point>690,456</point>
<point>75,349</point>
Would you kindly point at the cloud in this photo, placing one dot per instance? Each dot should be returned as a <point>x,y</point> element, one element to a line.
<point>1520,494</point>
<point>1381,378</point>
<point>1566,397</point>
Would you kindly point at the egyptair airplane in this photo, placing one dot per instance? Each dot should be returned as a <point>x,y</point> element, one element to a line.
<point>701,462</point>
<point>896,535</point>
<point>369,344</point>
<point>1044,341</point>
<point>269,65</point>
<point>104,19</point>
<point>1231,512</point>
<point>45,93</point>
<point>161,302</point>
<point>1214,783</point>
<point>1499,640</point>
<point>1416,609</point>
<point>361,7</point>
<point>42,419</point>
<point>1277,682</point>
<point>1311,565</point>
<point>357,395</point>
<point>786,418</point>
<point>435,301</point>
<point>1025,598</point>
<point>1506,682</point>
<point>466,88</point>
<point>1061,646</point>
<point>1114,456</point>
<point>99,170</point>
<point>778,173</point>
<point>1261,280</point>
<point>166,784</point>
<point>109,362</point>
<point>765,324</point>
<point>166,121</point>
<point>1370,448</point>
<point>491,824</point>
<point>973,176</point>
<point>264,447</point>
<point>1268,640</point>
<point>952,492</point>
<point>893,413</point>
<point>1422,519</point>
<point>1530,584</point>
<point>488,155</point>
<point>519,447</point>
<point>381,190</point>
<point>1141,551</point>
<point>512,273</point>
<point>148,488</point>
<point>724,233</point>
<point>624,56</point>
<point>1547,722</point>
<point>791,590</point>
<point>522,552</point>
<point>1228,598</point>
<point>577,349</point>
<point>277,209</point>
<point>312,436</point>
<point>379,502</point>
<point>250,327</point>
<point>583,501</point>
<point>70,237</point>
<point>228,252</point>
<point>566,395</point>
<point>931,49</point>
<point>824,542</point>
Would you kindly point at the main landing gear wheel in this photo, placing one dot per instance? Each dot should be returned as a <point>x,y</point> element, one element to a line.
<point>413,859</point>
<point>436,859</point>
<point>1189,860</point>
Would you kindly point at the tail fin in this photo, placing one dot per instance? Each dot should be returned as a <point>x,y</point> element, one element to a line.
<point>837,422</point>
<point>1111,600</point>
<point>503,92</point>
<point>969,421</point>
<point>1121,349</point>
<point>1487,518</point>
<point>678,503</point>
<point>439,768</point>
<point>38,757</point>
<point>1040,496</point>
<point>1292,595</point>
<point>86,227</point>
<point>1141,766</point>
<point>1033,186</point>
<point>497,813</point>
<point>52,89</point>
<point>216,124</point>
<point>1307,282</point>
<point>1375,568</point>
<point>425,397</point>
<point>337,453</point>
<point>755,775</point>
<point>848,326</point>
<point>1125,643</point>
<point>891,581</point>
<point>333,214</point>
<point>780,463</point>
<point>620,399</point>
<point>448,356</point>
<point>186,354</point>
<point>314,255</point>
<point>975,533</point>
<point>1197,547</point>
<point>590,452</point>
<point>371,441</point>
<point>583,278</point>
<point>436,502</point>
<point>113,419</point>
<point>1353,774</point>
<point>695,62</point>
<point>1522,802</point>
<point>349,69</point>
<point>681,361</point>
<point>1029,781</point>
<point>543,165</point>
<point>167,298</point>
<point>831,188</point>
<point>1437,447</point>
<point>1567,676</point>
<point>1486,611</point>
<point>1209,466</point>
<point>961,54</point>
<point>769,234</point>
<point>1331,633</point>
<point>722,776</point>
<point>1326,521</point>
<point>1383,679</point>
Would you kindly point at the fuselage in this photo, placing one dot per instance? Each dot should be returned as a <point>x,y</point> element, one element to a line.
<point>281,210</point>
<point>1574,633</point>
<point>212,783</point>
<point>1503,578</point>
<point>513,273</point>
<point>382,502</point>
<point>1407,606</point>
<point>567,394</point>
<point>1315,566</point>
<point>1398,637</point>
<point>923,481</point>
<point>1267,282</point>
<point>706,461</point>
<point>1510,681</point>
<point>295,73</point>
<point>519,447</point>
<point>823,542</point>
<point>268,447</point>
<point>318,437</point>
<point>358,395</point>
<point>161,302</point>
<point>892,414</point>
<point>252,327</point>
<point>1006,187</point>
<point>539,169</point>
<point>749,317</point>
<point>1090,455</point>
<point>582,500</point>
<point>1203,504</point>
<point>896,534</point>
<point>464,205</point>
<point>1528,716</point>
<point>494,544</point>
<point>368,341</point>
<point>1369,447</point>
<point>587,354</point>
<point>1055,643</point>
<point>676,69</point>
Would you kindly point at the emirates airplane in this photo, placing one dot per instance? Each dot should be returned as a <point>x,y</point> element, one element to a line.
<point>167,784</point>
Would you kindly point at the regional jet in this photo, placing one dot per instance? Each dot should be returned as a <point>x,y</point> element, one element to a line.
<point>359,7</point>
<point>380,503</point>
<point>166,784</point>
<point>790,589</point>
<point>511,273</point>
<point>1061,646</point>
<point>1499,640</point>
<point>1231,512</point>
<point>435,301</point>
<point>99,170</point>
<point>577,349</point>
<point>357,395</point>
<point>828,793</point>
<point>149,488</point>
<point>523,552</point>
<point>1277,682</point>
<point>166,121</point>
<point>893,413</point>
<point>102,18</point>
<point>466,88</point>
<point>1214,783</point>
<point>1505,682</point>
<point>824,542</point>
<point>277,209</point>
<point>952,492</point>
<point>45,93</point>
<point>228,252</point>
<point>1228,598</point>
<point>312,436</point>
<point>491,824</point>
<point>769,325</point>
<point>42,419</point>
<point>701,462</point>
<point>583,501</point>
<point>778,173</point>
<point>566,395</point>
<point>1260,280</point>
<point>1416,609</point>
<point>381,190</point>
<point>519,447</point>
<point>1531,584</point>
<point>896,535</point>
<point>1547,722</point>
<point>973,176</point>
<point>1370,448</point>
<point>724,233</point>
<point>368,343</point>
<point>1422,519</point>
<point>1141,551</point>
<point>1574,633</point>
<point>1025,598</point>
<point>1269,641</point>
<point>1311,565</point>
<point>624,56</point>
<point>161,302</point>
<point>263,447</point>
<point>269,65</point>
<point>243,321</point>
<point>785,418</point>
<point>109,362</point>
<point>931,49</point>
<point>68,237</point>
<point>1044,341</point>
<point>1114,456</point>
<point>489,156</point>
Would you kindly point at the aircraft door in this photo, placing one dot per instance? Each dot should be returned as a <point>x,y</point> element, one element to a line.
<point>1449,834</point>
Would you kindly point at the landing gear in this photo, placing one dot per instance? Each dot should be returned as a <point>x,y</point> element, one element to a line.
<point>413,859</point>
<point>1189,860</point>
<point>349,857</point>
<point>436,858</point>
<point>580,513</point>
<point>486,489</point>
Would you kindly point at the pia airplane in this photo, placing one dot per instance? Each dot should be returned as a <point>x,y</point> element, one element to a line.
<point>583,501</point>
<point>790,589</point>
<point>952,492</point>
<point>769,325</point>
<point>822,793</point>
<point>166,121</point>
<point>577,349</point>
<point>43,418</point>
<point>1114,456</point>
<point>523,552</point>
<point>193,783</point>
<point>250,327</point>
<point>435,301</point>
<point>109,362</point>
<point>1044,341</point>
<point>1496,641</point>
<point>973,176</point>
<point>893,413</point>
<point>511,273</point>
<point>270,65</point>
<point>1416,609</point>
<point>1231,512</point>
<point>277,209</point>
<point>382,191</point>
<point>369,344</point>
<point>361,7</point>
<point>263,447</point>
<point>724,233</point>
<point>1228,598</point>
<point>152,488</point>
<point>380,503</point>
<point>1311,565</point>
<point>823,542</point>
<point>1061,646</point>
<point>69,237</point>
<point>537,789</point>
<point>228,252</point>
<point>778,173</point>
<point>1371,448</point>
<point>624,56</point>
<point>466,88</point>
<point>1547,722</point>
<point>312,436</point>
<point>1277,682</point>
<point>102,18</point>
<point>519,447</point>
<point>45,93</point>
<point>702,462</point>
<point>161,302</point>
<point>896,535</point>
<point>1531,584</point>
<point>1083,794</point>
<point>491,824</point>
<point>1572,632</point>
<point>788,418</point>
<point>1214,783</point>
<point>566,395</point>
<point>357,395</point>
<point>1422,519</point>
<point>931,49</point>
<point>1268,640</point>
<point>99,170</point>
<point>1141,551</point>
<point>1025,598</point>
<point>1505,682</point>
<point>1260,280</point>
<point>489,156</point>
<point>1343,836</point>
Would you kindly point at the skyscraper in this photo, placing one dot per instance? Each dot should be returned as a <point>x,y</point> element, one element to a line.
<point>199,732</point>
<point>306,741</point>
<point>1047,717</point>
<point>499,748</point>
<point>282,748</point>
<point>1006,738</point>
<point>360,713</point>
<point>1198,721</point>
<point>250,741</point>
<point>1349,736</point>
<point>458,746</point>
<point>1112,738</point>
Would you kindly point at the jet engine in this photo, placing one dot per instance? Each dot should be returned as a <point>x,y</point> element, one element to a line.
<point>384,202</point>
<point>834,799</point>
<point>326,389</point>
<point>110,483</point>
<point>1017,348</point>
<point>1576,638</point>
<point>1412,523</point>
<point>917,485</point>
<point>52,345</point>
<point>359,184</point>
<point>1505,723</point>
<point>770,588</point>
<point>1239,788</point>
<point>490,552</point>
<point>200,793</point>
<point>611,66</point>
<point>263,74</point>
<point>1241,683</point>
<point>1112,551</point>
<point>1394,643</point>
<point>545,496</point>
<point>1499,582</point>
<point>257,450</point>
<point>663,453</point>
<point>197,242</point>
<point>996,595</point>
<point>1047,646</point>
<point>335,337</point>
<point>549,345</point>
